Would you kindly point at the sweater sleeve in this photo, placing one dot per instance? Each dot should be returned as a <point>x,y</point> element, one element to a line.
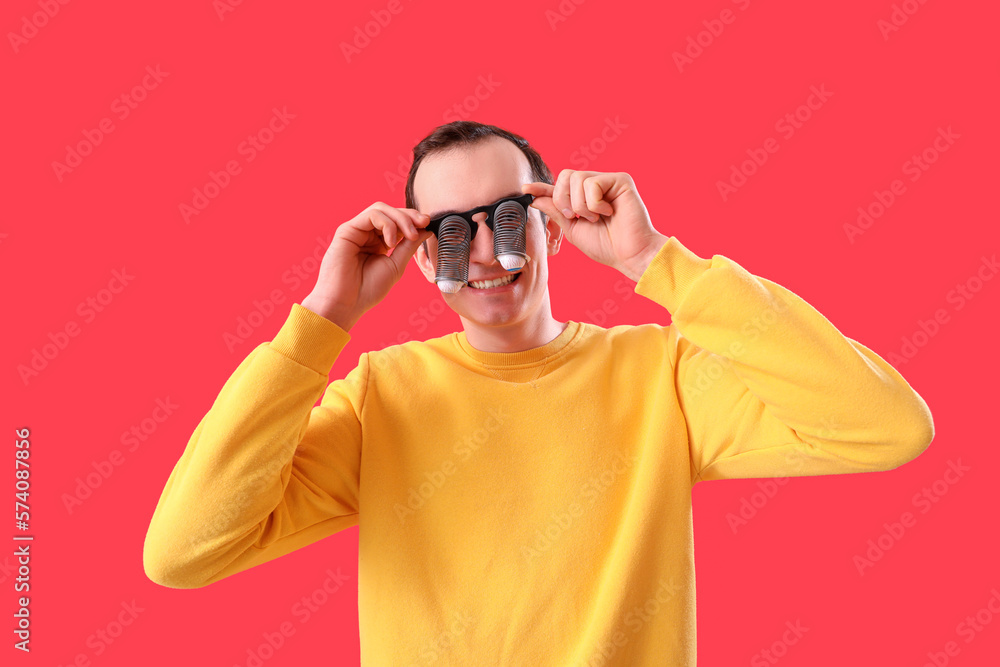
<point>266,471</point>
<point>767,385</point>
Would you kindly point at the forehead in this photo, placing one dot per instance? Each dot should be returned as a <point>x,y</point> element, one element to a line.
<point>466,177</point>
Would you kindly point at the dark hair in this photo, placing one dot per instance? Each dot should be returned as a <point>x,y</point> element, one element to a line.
<point>468,133</point>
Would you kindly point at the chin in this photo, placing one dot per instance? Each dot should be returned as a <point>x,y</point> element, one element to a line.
<point>486,315</point>
<point>493,316</point>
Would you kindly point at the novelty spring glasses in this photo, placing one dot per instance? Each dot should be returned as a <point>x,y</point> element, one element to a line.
<point>454,231</point>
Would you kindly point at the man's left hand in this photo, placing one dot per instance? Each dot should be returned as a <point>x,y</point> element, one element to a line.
<point>602,215</point>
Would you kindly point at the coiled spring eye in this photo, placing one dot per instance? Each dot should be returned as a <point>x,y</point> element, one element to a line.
<point>508,235</point>
<point>455,232</point>
<point>454,247</point>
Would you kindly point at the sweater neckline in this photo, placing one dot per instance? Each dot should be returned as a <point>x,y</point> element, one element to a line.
<point>524,358</point>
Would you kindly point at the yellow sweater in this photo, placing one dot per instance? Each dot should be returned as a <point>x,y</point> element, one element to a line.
<point>528,508</point>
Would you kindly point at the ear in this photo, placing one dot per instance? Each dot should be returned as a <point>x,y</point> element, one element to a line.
<point>553,234</point>
<point>423,261</point>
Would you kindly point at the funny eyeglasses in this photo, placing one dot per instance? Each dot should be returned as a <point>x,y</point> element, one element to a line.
<point>508,208</point>
<point>507,218</point>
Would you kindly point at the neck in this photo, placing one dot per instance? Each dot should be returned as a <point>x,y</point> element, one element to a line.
<point>517,336</point>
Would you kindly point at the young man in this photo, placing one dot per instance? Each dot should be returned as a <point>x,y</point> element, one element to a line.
<point>522,487</point>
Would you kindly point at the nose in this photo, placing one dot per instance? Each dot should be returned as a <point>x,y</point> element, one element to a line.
<point>482,246</point>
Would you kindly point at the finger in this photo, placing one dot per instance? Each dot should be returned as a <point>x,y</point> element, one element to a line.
<point>543,194</point>
<point>419,219</point>
<point>578,197</point>
<point>538,188</point>
<point>594,189</point>
<point>403,220</point>
<point>409,220</point>
<point>385,226</point>
<point>545,205</point>
<point>561,194</point>
<point>402,253</point>
<point>542,202</point>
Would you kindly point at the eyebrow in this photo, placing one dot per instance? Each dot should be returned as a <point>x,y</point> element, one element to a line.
<point>510,195</point>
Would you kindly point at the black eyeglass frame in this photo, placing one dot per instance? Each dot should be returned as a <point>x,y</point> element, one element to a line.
<point>523,200</point>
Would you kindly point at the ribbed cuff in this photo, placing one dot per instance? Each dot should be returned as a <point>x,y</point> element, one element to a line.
<point>670,274</point>
<point>310,339</point>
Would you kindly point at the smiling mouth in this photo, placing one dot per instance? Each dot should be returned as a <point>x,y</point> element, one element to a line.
<point>491,284</point>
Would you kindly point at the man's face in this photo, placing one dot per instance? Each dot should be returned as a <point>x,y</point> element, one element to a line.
<point>467,177</point>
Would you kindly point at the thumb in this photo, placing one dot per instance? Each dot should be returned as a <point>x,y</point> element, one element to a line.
<point>546,206</point>
<point>405,249</point>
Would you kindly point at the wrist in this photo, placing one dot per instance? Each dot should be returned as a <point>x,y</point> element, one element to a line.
<point>338,315</point>
<point>641,261</point>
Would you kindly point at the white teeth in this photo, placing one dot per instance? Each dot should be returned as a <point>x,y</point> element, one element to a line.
<point>492,283</point>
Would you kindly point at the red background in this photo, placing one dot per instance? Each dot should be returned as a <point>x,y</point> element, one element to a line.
<point>556,82</point>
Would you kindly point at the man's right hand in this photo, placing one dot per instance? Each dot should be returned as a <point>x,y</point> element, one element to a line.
<point>357,270</point>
